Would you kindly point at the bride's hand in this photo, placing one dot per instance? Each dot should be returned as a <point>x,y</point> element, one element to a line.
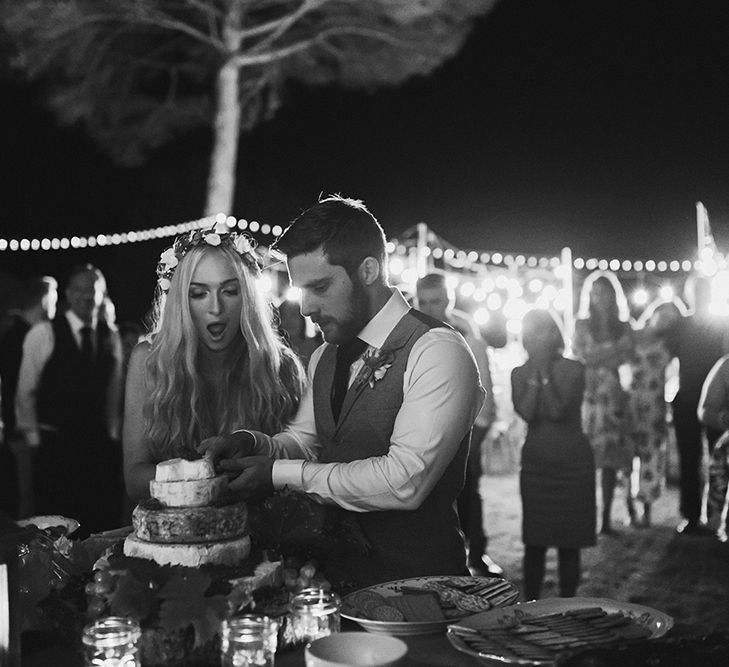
<point>233,446</point>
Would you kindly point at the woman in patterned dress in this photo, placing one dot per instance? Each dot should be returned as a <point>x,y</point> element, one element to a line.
<point>649,427</point>
<point>603,341</point>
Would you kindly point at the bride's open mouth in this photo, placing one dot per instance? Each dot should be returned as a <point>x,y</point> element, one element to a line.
<point>216,330</point>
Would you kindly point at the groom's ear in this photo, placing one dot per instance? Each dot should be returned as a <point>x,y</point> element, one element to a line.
<point>368,271</point>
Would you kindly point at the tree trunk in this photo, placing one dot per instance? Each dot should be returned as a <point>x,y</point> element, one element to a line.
<point>224,156</point>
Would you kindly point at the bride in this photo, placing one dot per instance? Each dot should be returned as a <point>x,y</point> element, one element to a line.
<point>213,362</point>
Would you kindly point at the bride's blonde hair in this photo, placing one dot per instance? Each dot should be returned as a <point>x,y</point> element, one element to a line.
<point>261,385</point>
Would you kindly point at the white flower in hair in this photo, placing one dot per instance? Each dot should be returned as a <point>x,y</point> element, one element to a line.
<point>169,259</point>
<point>216,236</point>
<point>242,244</point>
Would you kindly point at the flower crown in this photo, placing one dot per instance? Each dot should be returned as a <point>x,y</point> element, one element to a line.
<point>171,257</point>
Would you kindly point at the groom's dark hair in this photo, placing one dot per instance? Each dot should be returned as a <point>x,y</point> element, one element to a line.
<point>343,228</point>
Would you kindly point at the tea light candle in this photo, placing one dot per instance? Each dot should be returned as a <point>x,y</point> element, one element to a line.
<point>314,614</point>
<point>112,642</point>
<point>248,640</point>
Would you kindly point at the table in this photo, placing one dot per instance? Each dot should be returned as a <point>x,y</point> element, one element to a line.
<point>423,650</point>
<point>433,649</point>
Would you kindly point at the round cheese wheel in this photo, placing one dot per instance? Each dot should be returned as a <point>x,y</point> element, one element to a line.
<point>189,493</point>
<point>229,552</point>
<point>190,524</point>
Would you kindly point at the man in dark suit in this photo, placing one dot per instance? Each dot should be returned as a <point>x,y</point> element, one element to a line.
<point>67,406</point>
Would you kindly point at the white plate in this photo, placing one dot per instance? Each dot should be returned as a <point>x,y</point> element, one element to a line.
<point>655,621</point>
<point>50,521</point>
<point>401,628</point>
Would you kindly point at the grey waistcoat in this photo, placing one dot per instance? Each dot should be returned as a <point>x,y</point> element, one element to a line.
<point>425,541</point>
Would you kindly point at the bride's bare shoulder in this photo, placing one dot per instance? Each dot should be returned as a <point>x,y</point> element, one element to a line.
<point>139,354</point>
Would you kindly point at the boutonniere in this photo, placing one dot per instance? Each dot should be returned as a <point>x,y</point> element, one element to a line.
<point>376,362</point>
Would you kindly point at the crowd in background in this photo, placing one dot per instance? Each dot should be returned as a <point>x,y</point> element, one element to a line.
<point>599,410</point>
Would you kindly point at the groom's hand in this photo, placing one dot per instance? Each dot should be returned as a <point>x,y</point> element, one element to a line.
<point>233,446</point>
<point>251,477</point>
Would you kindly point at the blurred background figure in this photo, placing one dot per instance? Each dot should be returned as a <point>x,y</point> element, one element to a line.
<point>603,341</point>
<point>34,301</point>
<point>130,333</point>
<point>557,479</point>
<point>700,343</point>
<point>713,413</point>
<point>434,297</point>
<point>67,407</point>
<point>107,312</point>
<point>654,350</point>
<point>294,327</point>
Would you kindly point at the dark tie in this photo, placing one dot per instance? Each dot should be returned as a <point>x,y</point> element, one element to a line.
<point>346,355</point>
<point>87,346</point>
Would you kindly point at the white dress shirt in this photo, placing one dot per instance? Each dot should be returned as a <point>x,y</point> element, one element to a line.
<point>37,349</point>
<point>441,398</point>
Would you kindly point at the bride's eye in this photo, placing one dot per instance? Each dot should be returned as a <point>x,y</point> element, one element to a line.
<point>197,294</point>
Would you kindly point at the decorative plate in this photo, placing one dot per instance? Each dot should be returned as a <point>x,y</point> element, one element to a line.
<point>482,592</point>
<point>501,646</point>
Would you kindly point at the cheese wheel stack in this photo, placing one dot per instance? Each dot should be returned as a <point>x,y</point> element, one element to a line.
<point>193,527</point>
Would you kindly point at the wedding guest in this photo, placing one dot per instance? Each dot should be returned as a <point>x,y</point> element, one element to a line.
<point>435,298</point>
<point>716,501</point>
<point>654,350</point>
<point>67,406</point>
<point>713,412</point>
<point>701,342</point>
<point>131,333</point>
<point>603,341</point>
<point>107,311</point>
<point>383,430</point>
<point>34,302</point>
<point>213,361</point>
<point>557,478</point>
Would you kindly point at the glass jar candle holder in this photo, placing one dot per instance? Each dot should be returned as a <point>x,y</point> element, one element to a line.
<point>112,642</point>
<point>314,613</point>
<point>247,641</point>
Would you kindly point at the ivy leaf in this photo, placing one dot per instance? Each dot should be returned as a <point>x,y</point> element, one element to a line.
<point>132,597</point>
<point>184,603</point>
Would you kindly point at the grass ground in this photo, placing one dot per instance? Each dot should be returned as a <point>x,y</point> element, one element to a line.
<point>684,576</point>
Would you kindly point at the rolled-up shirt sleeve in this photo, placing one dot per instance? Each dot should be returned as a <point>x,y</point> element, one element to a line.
<point>441,398</point>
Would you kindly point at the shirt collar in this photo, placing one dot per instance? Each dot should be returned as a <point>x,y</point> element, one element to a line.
<point>77,323</point>
<point>381,325</point>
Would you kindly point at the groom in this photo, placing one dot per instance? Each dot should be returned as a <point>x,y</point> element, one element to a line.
<point>383,430</point>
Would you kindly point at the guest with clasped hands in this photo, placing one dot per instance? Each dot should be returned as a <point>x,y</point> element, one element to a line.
<point>389,445</point>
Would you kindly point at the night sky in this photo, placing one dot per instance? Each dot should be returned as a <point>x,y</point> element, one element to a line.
<point>594,125</point>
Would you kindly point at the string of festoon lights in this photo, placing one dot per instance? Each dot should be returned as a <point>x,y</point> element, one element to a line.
<point>457,259</point>
<point>136,236</point>
<point>400,260</point>
<point>485,282</point>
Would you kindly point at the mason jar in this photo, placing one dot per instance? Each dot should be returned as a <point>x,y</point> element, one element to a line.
<point>314,613</point>
<point>112,642</point>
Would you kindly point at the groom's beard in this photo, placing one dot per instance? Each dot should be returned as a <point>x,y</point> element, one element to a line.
<point>356,317</point>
